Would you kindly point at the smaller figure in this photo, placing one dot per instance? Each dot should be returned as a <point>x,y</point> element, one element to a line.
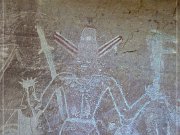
<point>158,114</point>
<point>29,125</point>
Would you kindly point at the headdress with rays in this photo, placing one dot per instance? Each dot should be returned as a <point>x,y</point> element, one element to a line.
<point>88,51</point>
<point>26,84</point>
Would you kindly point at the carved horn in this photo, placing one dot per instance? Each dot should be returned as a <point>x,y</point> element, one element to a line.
<point>59,39</point>
<point>109,45</point>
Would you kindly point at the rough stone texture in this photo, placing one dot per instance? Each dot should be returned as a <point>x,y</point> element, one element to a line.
<point>130,64</point>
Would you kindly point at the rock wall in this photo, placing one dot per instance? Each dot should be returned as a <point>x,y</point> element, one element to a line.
<point>89,67</point>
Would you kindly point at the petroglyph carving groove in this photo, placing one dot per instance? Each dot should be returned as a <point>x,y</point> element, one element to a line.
<point>79,95</point>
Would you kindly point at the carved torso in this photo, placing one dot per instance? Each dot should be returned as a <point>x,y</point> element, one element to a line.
<point>79,95</point>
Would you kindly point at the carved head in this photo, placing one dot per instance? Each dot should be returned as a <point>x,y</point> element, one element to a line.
<point>87,51</point>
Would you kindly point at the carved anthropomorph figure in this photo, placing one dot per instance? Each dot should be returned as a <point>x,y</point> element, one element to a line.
<point>29,125</point>
<point>160,113</point>
<point>79,94</point>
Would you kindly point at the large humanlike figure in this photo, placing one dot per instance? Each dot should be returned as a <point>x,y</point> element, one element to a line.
<point>79,94</point>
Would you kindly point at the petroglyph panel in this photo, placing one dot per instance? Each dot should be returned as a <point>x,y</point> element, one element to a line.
<point>88,68</point>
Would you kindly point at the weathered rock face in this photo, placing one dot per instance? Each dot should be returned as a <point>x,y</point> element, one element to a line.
<point>89,67</point>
